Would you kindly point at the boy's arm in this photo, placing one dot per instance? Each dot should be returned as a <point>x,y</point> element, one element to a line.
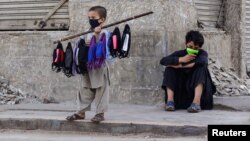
<point>201,60</point>
<point>190,65</point>
<point>172,59</point>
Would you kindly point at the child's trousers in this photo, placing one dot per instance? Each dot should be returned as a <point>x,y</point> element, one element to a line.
<point>87,95</point>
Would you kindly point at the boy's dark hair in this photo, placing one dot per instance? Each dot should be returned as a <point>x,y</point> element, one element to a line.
<point>196,37</point>
<point>102,11</point>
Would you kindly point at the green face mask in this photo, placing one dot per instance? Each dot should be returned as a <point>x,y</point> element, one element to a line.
<point>191,51</point>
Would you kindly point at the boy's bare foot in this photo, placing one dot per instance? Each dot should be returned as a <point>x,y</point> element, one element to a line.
<point>98,118</point>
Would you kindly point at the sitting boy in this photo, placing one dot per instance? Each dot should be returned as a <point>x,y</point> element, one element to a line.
<point>187,81</point>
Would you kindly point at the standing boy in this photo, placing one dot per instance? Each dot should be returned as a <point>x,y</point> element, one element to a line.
<point>95,84</point>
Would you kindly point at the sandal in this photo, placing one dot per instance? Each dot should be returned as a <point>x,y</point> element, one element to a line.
<point>98,118</point>
<point>170,106</point>
<point>75,116</point>
<point>194,108</point>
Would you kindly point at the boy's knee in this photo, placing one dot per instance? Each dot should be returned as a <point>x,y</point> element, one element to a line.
<point>201,68</point>
<point>200,72</point>
<point>169,72</point>
<point>169,69</point>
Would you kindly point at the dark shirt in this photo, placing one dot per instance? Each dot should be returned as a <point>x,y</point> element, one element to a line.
<point>173,59</point>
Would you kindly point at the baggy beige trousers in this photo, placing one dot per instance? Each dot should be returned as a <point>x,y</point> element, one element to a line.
<point>100,95</point>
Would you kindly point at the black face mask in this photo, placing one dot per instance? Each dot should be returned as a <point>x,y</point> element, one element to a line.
<point>94,23</point>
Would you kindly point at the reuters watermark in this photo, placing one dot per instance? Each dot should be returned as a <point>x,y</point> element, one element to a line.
<point>241,132</point>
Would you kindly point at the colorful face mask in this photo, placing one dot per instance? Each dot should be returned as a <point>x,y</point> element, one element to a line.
<point>191,51</point>
<point>94,23</point>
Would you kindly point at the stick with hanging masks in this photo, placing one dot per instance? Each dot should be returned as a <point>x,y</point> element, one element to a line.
<point>94,23</point>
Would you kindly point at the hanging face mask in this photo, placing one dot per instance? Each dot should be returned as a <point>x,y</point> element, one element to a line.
<point>94,23</point>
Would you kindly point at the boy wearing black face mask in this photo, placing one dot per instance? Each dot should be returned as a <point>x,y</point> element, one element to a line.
<point>97,16</point>
<point>94,84</point>
<point>187,80</point>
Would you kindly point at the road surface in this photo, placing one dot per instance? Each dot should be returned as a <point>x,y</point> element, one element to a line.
<point>14,135</point>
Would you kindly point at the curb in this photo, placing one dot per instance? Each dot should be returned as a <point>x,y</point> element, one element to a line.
<point>105,127</point>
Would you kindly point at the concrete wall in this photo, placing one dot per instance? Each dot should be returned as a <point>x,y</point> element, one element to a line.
<point>218,45</point>
<point>234,26</point>
<point>25,57</point>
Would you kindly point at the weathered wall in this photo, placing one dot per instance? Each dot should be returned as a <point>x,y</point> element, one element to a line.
<point>218,45</point>
<point>234,26</point>
<point>25,57</point>
<point>173,15</point>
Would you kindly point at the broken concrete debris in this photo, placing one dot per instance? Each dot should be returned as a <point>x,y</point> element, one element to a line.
<point>226,81</point>
<point>11,95</point>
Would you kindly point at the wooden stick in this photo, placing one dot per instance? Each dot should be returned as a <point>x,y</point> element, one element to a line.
<point>106,26</point>
<point>42,23</point>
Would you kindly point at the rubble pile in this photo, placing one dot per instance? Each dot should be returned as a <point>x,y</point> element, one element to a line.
<point>226,81</point>
<point>10,95</point>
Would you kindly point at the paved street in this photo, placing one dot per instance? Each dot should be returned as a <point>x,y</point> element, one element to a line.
<point>13,135</point>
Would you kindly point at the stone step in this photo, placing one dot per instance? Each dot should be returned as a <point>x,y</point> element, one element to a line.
<point>121,119</point>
